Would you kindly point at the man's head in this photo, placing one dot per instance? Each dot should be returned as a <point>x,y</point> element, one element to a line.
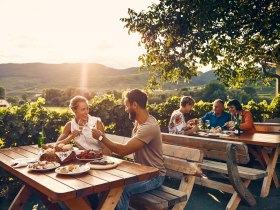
<point>135,100</point>
<point>218,106</point>
<point>187,103</point>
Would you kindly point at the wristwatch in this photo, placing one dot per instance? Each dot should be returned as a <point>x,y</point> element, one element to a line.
<point>101,137</point>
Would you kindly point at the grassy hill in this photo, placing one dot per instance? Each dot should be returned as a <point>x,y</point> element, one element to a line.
<point>32,78</point>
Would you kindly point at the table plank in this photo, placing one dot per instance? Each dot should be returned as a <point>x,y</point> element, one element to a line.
<point>142,172</point>
<point>41,182</point>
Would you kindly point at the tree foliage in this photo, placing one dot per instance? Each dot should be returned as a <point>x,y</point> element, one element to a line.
<point>239,38</point>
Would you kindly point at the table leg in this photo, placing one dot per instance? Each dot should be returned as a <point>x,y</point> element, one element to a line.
<point>78,203</point>
<point>21,198</point>
<point>110,199</point>
<point>271,163</point>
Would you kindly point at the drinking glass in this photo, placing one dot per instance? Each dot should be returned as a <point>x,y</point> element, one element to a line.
<point>82,123</point>
<point>207,123</point>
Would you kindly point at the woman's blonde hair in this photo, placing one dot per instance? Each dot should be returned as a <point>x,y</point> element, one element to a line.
<point>74,102</point>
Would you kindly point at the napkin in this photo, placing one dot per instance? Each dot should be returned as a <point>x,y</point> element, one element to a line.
<point>18,165</point>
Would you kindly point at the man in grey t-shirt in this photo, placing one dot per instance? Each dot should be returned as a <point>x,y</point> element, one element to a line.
<point>146,144</point>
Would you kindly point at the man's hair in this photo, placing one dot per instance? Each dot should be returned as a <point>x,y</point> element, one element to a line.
<point>219,101</point>
<point>235,103</point>
<point>74,102</point>
<point>186,100</point>
<point>137,96</point>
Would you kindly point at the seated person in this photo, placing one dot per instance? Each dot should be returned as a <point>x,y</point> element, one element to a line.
<point>217,117</point>
<point>247,121</point>
<point>79,128</point>
<point>177,123</point>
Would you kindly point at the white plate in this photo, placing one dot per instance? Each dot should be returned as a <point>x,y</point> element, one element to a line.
<point>24,160</point>
<point>228,131</point>
<point>43,169</point>
<point>86,160</point>
<point>213,134</point>
<point>83,169</point>
<point>202,134</point>
<point>107,166</point>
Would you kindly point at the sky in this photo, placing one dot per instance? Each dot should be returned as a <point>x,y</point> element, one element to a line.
<point>69,31</point>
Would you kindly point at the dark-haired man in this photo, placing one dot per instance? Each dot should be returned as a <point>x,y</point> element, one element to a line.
<point>217,117</point>
<point>146,144</point>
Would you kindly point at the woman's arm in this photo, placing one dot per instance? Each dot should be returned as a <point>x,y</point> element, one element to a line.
<point>66,135</point>
<point>248,121</point>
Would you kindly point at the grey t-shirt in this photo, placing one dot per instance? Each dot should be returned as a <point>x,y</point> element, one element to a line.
<point>151,154</point>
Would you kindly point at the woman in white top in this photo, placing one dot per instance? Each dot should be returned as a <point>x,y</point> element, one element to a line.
<point>79,128</point>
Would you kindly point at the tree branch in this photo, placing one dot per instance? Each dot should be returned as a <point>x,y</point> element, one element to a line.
<point>267,73</point>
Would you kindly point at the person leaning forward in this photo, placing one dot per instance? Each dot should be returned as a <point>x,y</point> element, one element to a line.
<point>146,144</point>
<point>217,117</point>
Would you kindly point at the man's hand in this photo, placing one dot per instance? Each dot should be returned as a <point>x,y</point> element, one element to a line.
<point>96,133</point>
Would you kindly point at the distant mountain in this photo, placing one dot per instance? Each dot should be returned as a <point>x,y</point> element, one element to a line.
<point>32,78</point>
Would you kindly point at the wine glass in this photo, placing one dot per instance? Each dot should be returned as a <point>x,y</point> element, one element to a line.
<point>207,123</point>
<point>231,123</point>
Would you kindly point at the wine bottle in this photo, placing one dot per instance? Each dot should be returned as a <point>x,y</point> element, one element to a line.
<point>42,137</point>
<point>237,126</point>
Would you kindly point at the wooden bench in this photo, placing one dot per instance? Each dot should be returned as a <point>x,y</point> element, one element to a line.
<point>180,162</point>
<point>222,157</point>
<point>267,127</point>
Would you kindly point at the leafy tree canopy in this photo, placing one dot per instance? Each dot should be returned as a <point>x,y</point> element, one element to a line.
<point>239,38</point>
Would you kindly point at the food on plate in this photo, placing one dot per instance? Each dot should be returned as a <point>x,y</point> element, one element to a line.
<point>67,147</point>
<point>60,153</point>
<point>72,168</point>
<point>101,162</point>
<point>49,156</point>
<point>89,154</point>
<point>43,165</point>
<point>216,130</point>
<point>57,147</point>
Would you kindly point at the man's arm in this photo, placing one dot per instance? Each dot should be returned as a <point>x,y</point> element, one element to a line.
<point>131,146</point>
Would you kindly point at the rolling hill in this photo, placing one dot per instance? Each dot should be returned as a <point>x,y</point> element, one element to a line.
<point>32,78</point>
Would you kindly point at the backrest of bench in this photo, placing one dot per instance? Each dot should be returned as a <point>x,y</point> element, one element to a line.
<point>181,159</point>
<point>267,127</point>
<point>212,148</point>
<point>176,158</point>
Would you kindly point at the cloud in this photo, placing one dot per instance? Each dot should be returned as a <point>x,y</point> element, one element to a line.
<point>104,45</point>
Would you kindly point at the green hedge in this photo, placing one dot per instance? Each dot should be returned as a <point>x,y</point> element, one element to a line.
<point>20,125</point>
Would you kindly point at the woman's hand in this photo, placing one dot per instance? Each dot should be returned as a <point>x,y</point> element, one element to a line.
<point>75,133</point>
<point>230,125</point>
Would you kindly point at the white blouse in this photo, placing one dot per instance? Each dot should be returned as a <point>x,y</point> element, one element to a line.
<point>85,139</point>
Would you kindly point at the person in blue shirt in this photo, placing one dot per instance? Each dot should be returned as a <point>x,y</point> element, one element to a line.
<point>217,117</point>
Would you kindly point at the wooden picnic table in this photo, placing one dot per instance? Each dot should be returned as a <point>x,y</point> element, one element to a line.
<point>72,189</point>
<point>267,153</point>
<point>266,157</point>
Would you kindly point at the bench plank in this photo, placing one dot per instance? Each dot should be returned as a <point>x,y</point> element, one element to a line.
<point>244,172</point>
<point>267,127</point>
